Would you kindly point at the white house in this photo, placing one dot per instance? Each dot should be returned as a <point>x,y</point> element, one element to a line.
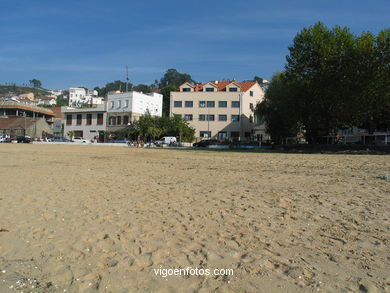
<point>79,96</point>
<point>123,108</point>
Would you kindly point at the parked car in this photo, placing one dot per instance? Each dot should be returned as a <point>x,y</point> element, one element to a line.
<point>60,139</point>
<point>168,140</point>
<point>80,139</point>
<point>205,143</point>
<point>23,139</point>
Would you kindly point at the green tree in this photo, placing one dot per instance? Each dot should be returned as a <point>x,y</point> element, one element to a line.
<point>175,78</point>
<point>332,79</point>
<point>166,92</point>
<point>149,127</point>
<point>117,85</point>
<point>258,79</point>
<point>61,101</point>
<point>276,107</point>
<point>142,88</point>
<point>335,73</point>
<point>35,83</point>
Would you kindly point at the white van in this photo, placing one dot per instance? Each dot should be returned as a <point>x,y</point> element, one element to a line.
<point>166,140</point>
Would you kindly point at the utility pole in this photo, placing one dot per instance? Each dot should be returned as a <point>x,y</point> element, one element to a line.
<point>127,78</point>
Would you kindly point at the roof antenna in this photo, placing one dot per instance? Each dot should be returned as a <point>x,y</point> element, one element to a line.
<point>127,78</point>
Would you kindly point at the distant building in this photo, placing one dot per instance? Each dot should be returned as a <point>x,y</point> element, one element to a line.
<point>220,109</point>
<point>9,109</point>
<point>27,101</point>
<point>27,95</point>
<point>85,122</point>
<point>125,108</point>
<point>48,101</point>
<point>80,96</point>
<point>57,92</point>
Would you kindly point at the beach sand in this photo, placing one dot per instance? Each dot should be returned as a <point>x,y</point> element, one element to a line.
<point>103,219</point>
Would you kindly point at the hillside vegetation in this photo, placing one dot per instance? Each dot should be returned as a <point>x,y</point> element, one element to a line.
<point>18,90</point>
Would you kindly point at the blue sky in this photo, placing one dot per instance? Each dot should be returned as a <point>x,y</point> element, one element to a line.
<point>90,42</point>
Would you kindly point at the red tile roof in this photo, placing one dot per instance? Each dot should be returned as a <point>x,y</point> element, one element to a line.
<point>221,85</point>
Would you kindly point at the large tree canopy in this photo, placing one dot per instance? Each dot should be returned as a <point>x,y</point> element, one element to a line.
<point>36,83</point>
<point>117,85</point>
<point>332,79</point>
<point>149,127</point>
<point>175,78</point>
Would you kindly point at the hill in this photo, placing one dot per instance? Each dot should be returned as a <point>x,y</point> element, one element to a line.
<point>18,90</point>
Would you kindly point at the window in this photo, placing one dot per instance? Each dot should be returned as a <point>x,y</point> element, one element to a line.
<point>99,119</point>
<point>209,89</point>
<point>202,104</point>
<point>188,104</point>
<point>235,104</point>
<point>188,117</point>
<point>186,89</point>
<point>251,93</point>
<point>119,103</point>
<point>251,106</point>
<point>79,119</point>
<point>210,117</point>
<point>78,133</point>
<point>68,119</point>
<point>222,117</point>
<point>232,89</point>
<point>205,134</point>
<point>125,120</point>
<point>112,104</point>
<point>210,104</point>
<point>89,119</point>
<point>112,120</point>
<point>235,118</point>
<point>126,103</point>
<point>222,104</point>
<point>177,104</point>
<point>119,120</point>
<point>222,135</point>
<point>202,117</point>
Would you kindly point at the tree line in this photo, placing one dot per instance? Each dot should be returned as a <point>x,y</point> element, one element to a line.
<point>332,79</point>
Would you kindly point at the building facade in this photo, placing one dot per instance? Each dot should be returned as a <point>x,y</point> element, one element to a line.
<point>80,96</point>
<point>125,108</point>
<point>88,123</point>
<point>219,109</point>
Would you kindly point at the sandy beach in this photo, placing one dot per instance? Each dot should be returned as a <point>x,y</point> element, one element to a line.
<point>104,219</point>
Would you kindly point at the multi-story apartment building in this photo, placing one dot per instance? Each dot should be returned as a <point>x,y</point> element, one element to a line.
<point>219,109</point>
<point>124,108</point>
<point>85,122</point>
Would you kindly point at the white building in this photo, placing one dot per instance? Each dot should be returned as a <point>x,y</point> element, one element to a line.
<point>57,92</point>
<point>79,96</point>
<point>124,108</point>
<point>47,101</point>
